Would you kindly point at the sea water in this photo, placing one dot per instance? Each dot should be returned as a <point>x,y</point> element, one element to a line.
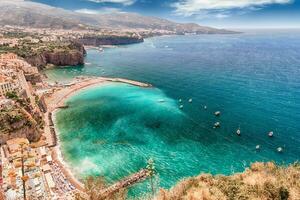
<point>251,78</point>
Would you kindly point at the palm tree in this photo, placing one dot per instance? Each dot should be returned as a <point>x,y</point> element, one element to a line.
<point>151,172</point>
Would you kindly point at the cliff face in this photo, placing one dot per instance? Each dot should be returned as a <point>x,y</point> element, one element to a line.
<point>39,61</point>
<point>110,40</point>
<point>65,58</point>
<point>59,57</point>
<point>260,181</point>
<point>17,122</point>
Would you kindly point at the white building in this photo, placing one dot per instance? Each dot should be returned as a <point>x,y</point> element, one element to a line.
<point>6,87</point>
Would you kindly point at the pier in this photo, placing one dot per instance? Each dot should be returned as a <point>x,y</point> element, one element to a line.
<point>131,82</point>
<point>126,182</point>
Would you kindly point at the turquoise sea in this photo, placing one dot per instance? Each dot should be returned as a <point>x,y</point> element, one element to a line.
<point>252,78</point>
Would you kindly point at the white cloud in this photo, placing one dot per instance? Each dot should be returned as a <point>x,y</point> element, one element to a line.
<point>104,10</point>
<point>87,11</point>
<point>221,15</point>
<point>124,2</point>
<point>191,7</point>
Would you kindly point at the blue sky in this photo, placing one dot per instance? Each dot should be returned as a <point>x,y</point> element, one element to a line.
<point>219,13</point>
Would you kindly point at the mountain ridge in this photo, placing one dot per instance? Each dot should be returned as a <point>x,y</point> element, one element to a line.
<point>38,15</point>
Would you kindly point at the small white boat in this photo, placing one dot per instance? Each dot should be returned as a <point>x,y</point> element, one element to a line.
<point>238,132</point>
<point>270,134</point>
<point>161,100</point>
<point>190,100</point>
<point>217,113</point>
<point>217,125</point>
<point>181,106</point>
<point>257,147</point>
<point>279,149</point>
<point>180,100</point>
<point>205,107</point>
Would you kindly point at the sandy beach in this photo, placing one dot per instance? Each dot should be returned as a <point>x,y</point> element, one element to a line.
<point>55,101</point>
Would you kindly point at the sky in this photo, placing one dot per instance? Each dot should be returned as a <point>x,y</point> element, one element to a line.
<point>217,13</point>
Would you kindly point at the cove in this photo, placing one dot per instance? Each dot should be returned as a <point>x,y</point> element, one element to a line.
<point>112,130</point>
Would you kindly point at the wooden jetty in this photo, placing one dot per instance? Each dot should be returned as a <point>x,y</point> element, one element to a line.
<point>126,182</point>
<point>131,82</point>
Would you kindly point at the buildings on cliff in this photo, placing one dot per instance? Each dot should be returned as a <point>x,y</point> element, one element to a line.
<point>13,73</point>
<point>28,169</point>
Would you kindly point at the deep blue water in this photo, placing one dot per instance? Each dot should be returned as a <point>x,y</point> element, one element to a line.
<point>252,78</point>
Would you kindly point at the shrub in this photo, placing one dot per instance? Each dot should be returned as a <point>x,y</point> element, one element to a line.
<point>11,95</point>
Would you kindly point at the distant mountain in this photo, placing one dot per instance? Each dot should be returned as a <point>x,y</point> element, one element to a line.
<point>31,14</point>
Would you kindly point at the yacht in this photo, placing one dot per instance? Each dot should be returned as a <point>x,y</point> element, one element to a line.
<point>238,132</point>
<point>271,134</point>
<point>217,113</point>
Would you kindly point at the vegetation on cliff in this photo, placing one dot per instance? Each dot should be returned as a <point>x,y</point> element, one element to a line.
<point>27,48</point>
<point>96,40</point>
<point>20,120</point>
<point>260,181</point>
<point>40,53</point>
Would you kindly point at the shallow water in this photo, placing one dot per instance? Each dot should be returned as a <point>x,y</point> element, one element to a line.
<point>253,79</point>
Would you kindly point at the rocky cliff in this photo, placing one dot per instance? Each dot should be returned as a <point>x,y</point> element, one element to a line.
<point>59,57</point>
<point>110,40</point>
<point>17,122</point>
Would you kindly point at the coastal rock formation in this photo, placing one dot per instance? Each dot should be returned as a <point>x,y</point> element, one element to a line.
<point>75,56</point>
<point>65,58</point>
<point>110,40</point>
<point>260,181</point>
<point>39,61</point>
<point>17,122</point>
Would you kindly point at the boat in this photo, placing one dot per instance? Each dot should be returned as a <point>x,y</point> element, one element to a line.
<point>161,100</point>
<point>279,149</point>
<point>63,107</point>
<point>181,106</point>
<point>217,125</point>
<point>238,132</point>
<point>257,147</point>
<point>190,100</point>
<point>205,107</point>
<point>217,113</point>
<point>270,134</point>
<point>180,100</point>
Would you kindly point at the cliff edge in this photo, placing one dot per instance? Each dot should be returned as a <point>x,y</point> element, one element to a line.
<point>70,54</point>
<point>261,181</point>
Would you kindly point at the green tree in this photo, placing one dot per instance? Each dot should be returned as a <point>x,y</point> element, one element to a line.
<point>151,173</point>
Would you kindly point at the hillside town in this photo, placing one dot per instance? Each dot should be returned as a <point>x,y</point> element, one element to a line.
<point>28,170</point>
<point>31,165</point>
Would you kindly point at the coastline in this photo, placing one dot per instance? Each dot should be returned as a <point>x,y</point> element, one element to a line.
<point>56,101</point>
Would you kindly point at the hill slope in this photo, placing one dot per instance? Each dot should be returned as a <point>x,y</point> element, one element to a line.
<point>31,14</point>
<point>260,181</point>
